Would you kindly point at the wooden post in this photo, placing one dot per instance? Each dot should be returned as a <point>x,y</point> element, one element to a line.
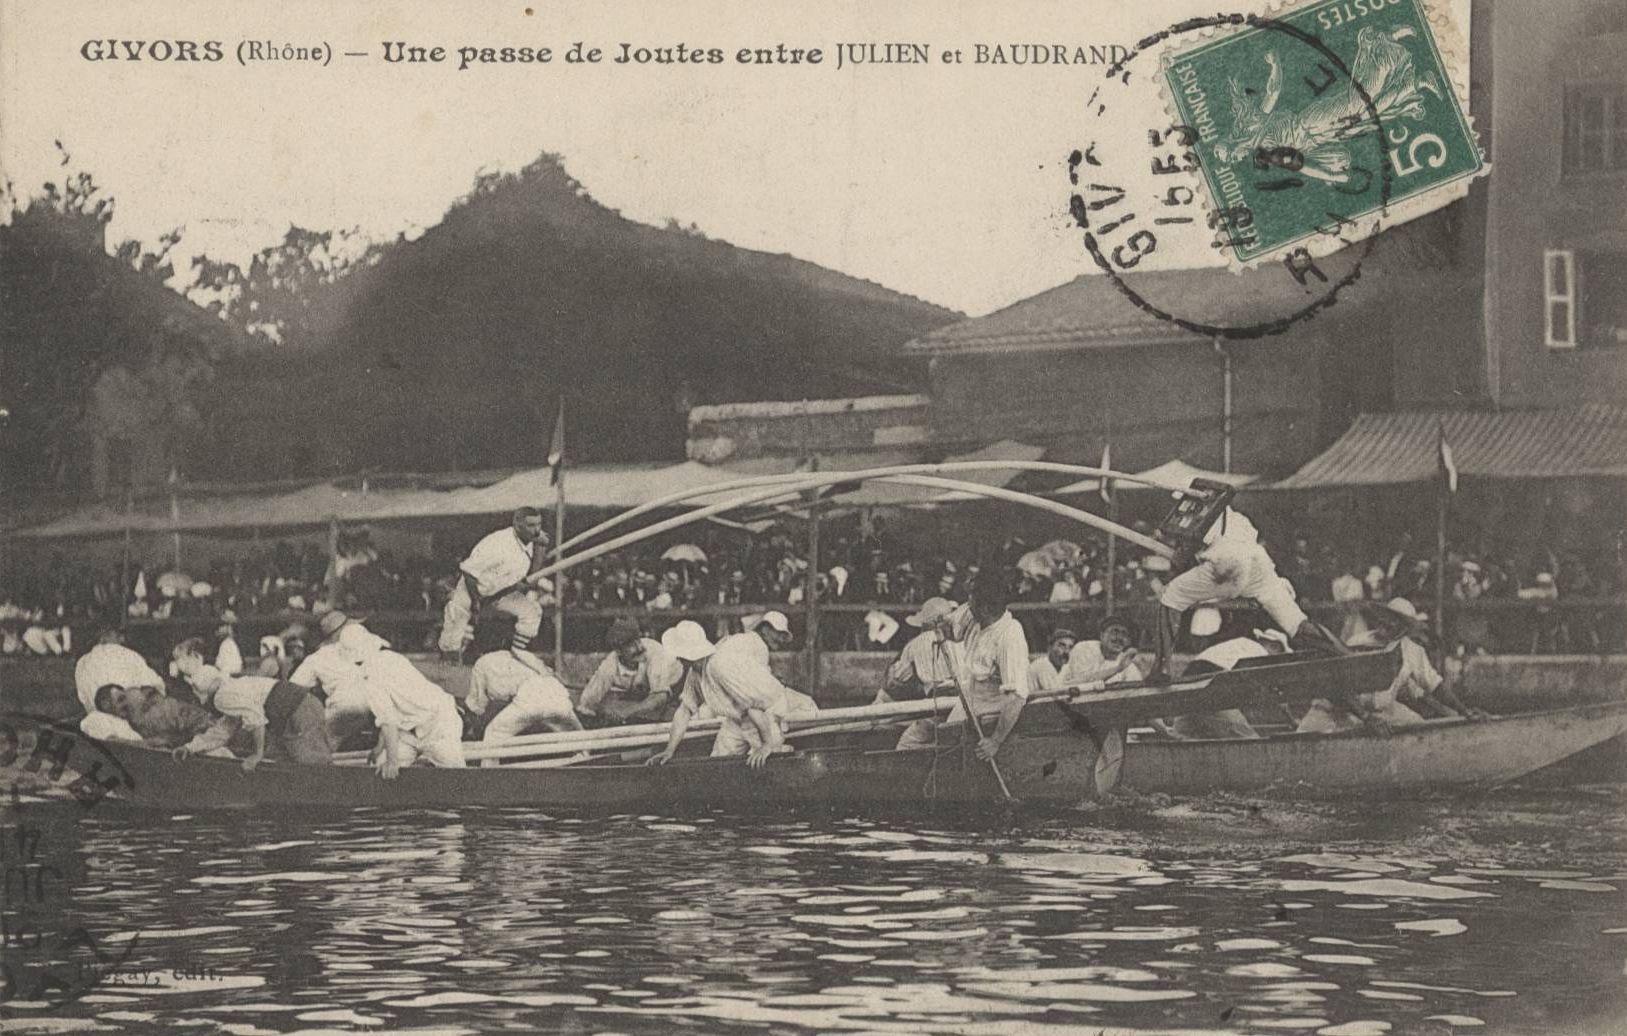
<point>559,581</point>
<point>810,594</point>
<point>1112,545</point>
<point>124,561</point>
<point>1443,500</point>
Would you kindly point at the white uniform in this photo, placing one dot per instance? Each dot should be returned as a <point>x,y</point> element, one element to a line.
<point>1086,664</point>
<point>336,673</point>
<point>616,689</point>
<point>735,679</point>
<point>1233,564</point>
<point>994,664</point>
<point>102,665</point>
<point>498,562</point>
<point>529,698</point>
<point>425,716</point>
<point>1043,676</point>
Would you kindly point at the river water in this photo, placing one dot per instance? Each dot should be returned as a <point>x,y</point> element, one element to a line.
<point>1500,913</point>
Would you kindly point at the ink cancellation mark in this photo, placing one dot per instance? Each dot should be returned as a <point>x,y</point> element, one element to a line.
<point>1118,237</point>
<point>1290,135</point>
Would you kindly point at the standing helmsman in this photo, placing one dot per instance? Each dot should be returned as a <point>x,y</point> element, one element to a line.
<point>501,572</point>
<point>1231,563</point>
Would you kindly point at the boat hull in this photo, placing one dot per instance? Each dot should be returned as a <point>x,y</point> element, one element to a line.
<point>1438,754</point>
<point>1050,758</point>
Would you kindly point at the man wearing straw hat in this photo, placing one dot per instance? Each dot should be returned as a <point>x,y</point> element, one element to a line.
<point>501,572</point>
<point>738,688</point>
<point>1418,690</point>
<point>636,681</point>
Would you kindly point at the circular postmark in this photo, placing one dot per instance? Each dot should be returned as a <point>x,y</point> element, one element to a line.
<point>1287,185</point>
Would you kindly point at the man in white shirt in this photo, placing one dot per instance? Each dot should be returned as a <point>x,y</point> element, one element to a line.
<point>993,674</point>
<point>635,683</point>
<point>415,718</point>
<point>110,662</point>
<point>1110,658</point>
<point>1230,564</point>
<point>1045,672</point>
<point>285,713</point>
<point>501,573</point>
<point>927,665</point>
<point>733,682</point>
<point>333,670</point>
<point>1418,690</point>
<point>529,699</point>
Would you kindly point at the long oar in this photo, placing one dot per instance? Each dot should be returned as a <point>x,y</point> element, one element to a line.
<point>977,728</point>
<point>945,467</point>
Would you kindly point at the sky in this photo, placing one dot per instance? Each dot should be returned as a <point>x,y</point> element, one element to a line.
<point>945,181</point>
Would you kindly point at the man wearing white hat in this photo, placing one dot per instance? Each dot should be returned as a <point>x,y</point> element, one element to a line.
<point>736,686</point>
<point>1417,691</point>
<point>332,669</point>
<point>927,665</point>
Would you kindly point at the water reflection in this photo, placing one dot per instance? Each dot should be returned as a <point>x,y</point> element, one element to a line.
<point>1445,916</point>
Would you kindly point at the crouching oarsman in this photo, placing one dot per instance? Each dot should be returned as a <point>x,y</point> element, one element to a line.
<point>733,682</point>
<point>286,714</point>
<point>525,700</point>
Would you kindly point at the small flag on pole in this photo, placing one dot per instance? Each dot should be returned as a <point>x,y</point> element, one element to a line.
<point>556,447</point>
<point>1449,468</point>
<point>1107,465</point>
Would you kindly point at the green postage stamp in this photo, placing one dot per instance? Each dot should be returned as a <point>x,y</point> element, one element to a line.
<point>1323,118</point>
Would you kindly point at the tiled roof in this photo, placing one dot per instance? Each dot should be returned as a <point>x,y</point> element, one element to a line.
<point>1382,449</point>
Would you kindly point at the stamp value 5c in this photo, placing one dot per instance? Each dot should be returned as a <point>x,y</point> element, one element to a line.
<point>1308,139</point>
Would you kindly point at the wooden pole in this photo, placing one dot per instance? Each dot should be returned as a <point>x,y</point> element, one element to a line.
<point>1112,544</point>
<point>1442,502</point>
<point>559,541</point>
<point>124,561</point>
<point>811,589</point>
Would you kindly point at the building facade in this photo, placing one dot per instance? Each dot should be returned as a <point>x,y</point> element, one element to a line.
<point>1556,222</point>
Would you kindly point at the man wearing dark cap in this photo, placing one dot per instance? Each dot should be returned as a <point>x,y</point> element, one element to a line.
<point>635,683</point>
<point>1045,672</point>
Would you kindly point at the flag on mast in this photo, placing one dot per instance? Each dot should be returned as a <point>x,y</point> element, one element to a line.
<point>1107,465</point>
<point>1448,467</point>
<point>556,447</point>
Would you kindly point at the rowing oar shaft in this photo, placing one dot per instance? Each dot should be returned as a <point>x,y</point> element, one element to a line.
<point>855,727</point>
<point>572,741</point>
<point>977,728</point>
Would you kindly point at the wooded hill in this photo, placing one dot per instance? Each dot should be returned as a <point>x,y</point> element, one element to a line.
<point>449,351</point>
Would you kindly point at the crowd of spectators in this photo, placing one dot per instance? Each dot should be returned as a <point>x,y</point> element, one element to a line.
<point>861,564</point>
